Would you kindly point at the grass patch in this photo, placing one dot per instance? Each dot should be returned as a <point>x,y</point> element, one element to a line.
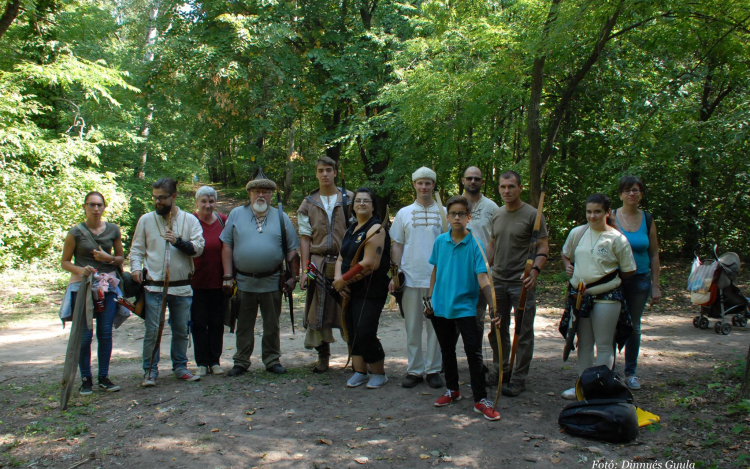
<point>31,294</point>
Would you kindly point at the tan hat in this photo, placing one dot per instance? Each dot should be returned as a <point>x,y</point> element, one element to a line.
<point>424,173</point>
<point>260,182</point>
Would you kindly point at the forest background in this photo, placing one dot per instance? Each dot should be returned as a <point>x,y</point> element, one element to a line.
<point>110,95</point>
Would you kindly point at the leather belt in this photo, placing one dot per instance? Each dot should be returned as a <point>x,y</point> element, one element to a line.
<point>260,274</point>
<point>160,283</point>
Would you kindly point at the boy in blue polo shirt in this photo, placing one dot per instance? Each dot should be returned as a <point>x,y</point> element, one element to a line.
<point>458,273</point>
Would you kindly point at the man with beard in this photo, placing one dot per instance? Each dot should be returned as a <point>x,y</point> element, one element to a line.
<point>512,228</point>
<point>413,232</point>
<point>322,223</point>
<point>185,237</point>
<point>482,211</point>
<point>253,249</point>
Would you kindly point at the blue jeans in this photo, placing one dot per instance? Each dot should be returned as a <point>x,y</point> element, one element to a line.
<point>636,291</point>
<point>179,315</point>
<point>104,322</point>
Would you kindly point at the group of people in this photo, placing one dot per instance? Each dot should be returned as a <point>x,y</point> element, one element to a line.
<point>449,266</point>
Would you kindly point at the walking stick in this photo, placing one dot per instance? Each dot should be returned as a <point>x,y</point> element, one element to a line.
<point>526,273</point>
<point>163,307</point>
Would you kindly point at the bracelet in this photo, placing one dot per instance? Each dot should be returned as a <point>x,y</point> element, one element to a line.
<point>228,277</point>
<point>542,255</point>
<point>537,269</point>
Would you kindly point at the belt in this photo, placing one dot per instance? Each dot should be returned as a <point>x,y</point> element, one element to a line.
<point>605,279</point>
<point>260,274</point>
<point>160,283</point>
<point>333,256</point>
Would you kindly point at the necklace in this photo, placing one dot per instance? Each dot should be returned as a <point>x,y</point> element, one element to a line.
<point>259,222</point>
<point>627,223</point>
<point>591,237</point>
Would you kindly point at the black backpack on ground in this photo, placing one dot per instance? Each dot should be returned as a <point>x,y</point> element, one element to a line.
<point>612,420</point>
<point>607,413</point>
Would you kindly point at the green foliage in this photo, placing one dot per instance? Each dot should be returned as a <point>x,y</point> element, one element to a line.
<point>383,87</point>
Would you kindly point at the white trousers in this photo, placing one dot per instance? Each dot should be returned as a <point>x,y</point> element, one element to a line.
<point>599,330</point>
<point>420,362</point>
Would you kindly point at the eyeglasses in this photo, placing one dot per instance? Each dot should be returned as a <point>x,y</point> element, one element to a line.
<point>633,191</point>
<point>457,214</point>
<point>160,198</point>
<point>472,178</point>
<point>93,205</point>
<point>362,201</point>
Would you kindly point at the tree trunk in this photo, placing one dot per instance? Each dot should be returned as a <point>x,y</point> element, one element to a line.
<point>152,33</point>
<point>290,155</point>
<point>11,12</point>
<point>745,387</point>
<point>538,154</point>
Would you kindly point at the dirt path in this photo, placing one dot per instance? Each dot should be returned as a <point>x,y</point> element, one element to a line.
<point>306,420</point>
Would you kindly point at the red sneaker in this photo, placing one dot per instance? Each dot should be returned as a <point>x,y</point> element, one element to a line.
<point>187,376</point>
<point>485,407</point>
<point>447,398</point>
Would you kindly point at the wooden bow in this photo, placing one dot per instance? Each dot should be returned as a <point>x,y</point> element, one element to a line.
<point>526,273</point>
<point>493,316</point>
<point>345,300</point>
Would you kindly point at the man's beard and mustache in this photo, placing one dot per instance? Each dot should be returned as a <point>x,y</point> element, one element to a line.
<point>472,191</point>
<point>260,206</point>
<point>164,209</point>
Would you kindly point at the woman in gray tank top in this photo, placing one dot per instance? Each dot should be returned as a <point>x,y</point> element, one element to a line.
<point>94,246</point>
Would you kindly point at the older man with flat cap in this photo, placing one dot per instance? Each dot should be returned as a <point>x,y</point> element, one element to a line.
<point>253,249</point>
<point>413,233</point>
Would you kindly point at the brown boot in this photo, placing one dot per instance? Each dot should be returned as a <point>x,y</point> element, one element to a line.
<point>324,353</point>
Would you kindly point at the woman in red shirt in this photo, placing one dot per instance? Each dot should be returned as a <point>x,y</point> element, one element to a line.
<point>207,311</point>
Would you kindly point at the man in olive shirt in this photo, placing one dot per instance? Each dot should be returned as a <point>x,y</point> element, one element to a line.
<point>512,227</point>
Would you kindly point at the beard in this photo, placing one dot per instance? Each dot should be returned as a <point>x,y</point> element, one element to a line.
<point>472,191</point>
<point>163,210</point>
<point>260,206</point>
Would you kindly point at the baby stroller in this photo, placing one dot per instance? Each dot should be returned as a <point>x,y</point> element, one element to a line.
<point>711,286</point>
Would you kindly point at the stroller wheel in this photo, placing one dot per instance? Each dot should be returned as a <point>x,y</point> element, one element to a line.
<point>703,323</point>
<point>726,328</point>
<point>742,322</point>
<point>734,320</point>
<point>717,327</point>
<point>697,321</point>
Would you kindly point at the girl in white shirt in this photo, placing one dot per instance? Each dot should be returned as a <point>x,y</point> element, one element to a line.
<point>602,258</point>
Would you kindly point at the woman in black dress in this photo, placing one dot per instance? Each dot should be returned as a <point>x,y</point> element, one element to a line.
<point>362,277</point>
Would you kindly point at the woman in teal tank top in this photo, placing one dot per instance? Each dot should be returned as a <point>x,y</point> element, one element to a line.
<point>636,290</point>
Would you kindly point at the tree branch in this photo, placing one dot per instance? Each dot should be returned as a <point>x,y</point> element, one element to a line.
<point>11,12</point>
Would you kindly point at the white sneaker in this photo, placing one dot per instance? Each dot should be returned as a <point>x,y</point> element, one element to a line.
<point>148,382</point>
<point>357,379</point>
<point>633,383</point>
<point>377,381</point>
<point>217,370</point>
<point>569,394</point>
<point>202,371</point>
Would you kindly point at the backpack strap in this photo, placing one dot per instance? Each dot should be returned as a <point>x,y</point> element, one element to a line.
<point>86,232</point>
<point>577,240</point>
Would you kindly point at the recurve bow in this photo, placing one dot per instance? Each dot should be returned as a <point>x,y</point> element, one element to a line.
<point>345,300</point>
<point>526,273</point>
<point>493,314</point>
